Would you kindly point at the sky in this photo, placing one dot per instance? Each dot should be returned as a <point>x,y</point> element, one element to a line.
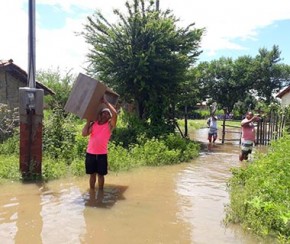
<point>233,28</point>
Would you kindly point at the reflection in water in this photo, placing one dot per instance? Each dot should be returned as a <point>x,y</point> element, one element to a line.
<point>19,222</point>
<point>171,204</point>
<point>203,189</point>
<point>104,198</point>
<point>62,214</point>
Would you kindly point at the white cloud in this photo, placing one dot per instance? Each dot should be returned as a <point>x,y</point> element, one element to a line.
<point>13,42</point>
<point>225,20</point>
<point>61,47</point>
<point>228,19</point>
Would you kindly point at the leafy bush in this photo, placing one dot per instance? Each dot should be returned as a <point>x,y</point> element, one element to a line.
<point>59,136</point>
<point>60,83</point>
<point>52,169</point>
<point>10,146</point>
<point>152,152</point>
<point>64,147</point>
<point>125,136</point>
<point>130,129</point>
<point>9,167</point>
<point>120,158</point>
<point>77,167</point>
<point>9,120</point>
<point>259,193</point>
<point>202,113</point>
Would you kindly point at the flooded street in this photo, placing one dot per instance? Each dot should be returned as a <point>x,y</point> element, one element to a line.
<point>171,204</point>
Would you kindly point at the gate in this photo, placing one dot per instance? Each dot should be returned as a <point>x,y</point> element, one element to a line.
<point>269,128</point>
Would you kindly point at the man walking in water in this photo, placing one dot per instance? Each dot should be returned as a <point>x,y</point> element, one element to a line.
<point>100,131</point>
<point>248,135</point>
<point>212,131</point>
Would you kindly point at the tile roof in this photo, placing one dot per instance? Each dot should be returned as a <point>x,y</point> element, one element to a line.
<point>283,92</point>
<point>19,73</point>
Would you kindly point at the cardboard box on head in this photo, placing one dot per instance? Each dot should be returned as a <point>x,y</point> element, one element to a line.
<point>84,99</point>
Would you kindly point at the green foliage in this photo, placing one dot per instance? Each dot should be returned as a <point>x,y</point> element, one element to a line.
<point>152,152</point>
<point>259,193</point>
<point>10,146</point>
<point>9,167</point>
<point>54,169</point>
<point>131,127</point>
<point>128,128</point>
<point>80,145</point>
<point>77,166</point>
<point>193,124</point>
<point>60,84</point>
<point>267,73</point>
<point>64,148</point>
<point>202,113</point>
<point>120,158</point>
<point>59,136</point>
<point>238,83</point>
<point>144,57</point>
<point>9,121</point>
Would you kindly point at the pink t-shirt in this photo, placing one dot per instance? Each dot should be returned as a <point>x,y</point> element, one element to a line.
<point>248,131</point>
<point>99,139</point>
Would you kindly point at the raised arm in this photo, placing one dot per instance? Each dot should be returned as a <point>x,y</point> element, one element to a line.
<point>248,121</point>
<point>113,120</point>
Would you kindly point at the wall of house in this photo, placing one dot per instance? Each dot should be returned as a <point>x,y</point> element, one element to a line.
<point>2,87</point>
<point>285,101</point>
<point>9,89</point>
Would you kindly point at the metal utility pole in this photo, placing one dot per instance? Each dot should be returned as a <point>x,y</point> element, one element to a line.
<point>31,111</point>
<point>31,45</point>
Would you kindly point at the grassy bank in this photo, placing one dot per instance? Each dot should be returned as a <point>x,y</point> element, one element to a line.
<point>201,123</point>
<point>260,193</point>
<point>171,149</point>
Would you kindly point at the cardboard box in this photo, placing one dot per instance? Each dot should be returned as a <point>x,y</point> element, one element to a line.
<point>84,99</point>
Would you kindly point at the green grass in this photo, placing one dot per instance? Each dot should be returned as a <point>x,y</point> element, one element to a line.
<point>201,123</point>
<point>260,195</point>
<point>9,167</point>
<point>171,149</point>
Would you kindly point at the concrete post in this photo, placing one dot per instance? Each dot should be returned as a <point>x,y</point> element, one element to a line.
<point>31,115</point>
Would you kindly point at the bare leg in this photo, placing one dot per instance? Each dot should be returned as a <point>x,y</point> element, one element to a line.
<point>209,139</point>
<point>101,181</point>
<point>241,158</point>
<point>93,180</point>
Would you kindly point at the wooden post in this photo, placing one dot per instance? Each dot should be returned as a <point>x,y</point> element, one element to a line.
<point>224,125</point>
<point>185,121</point>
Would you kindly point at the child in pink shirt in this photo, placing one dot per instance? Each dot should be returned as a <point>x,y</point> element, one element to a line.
<point>100,132</point>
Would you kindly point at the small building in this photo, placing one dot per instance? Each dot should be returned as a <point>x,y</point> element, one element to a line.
<point>284,95</point>
<point>12,77</point>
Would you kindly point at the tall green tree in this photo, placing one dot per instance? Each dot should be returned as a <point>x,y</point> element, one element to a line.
<point>144,56</point>
<point>267,76</point>
<point>243,80</point>
<point>224,80</point>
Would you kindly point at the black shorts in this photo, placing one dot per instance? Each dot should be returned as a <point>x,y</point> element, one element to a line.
<point>96,164</point>
<point>212,134</point>
<point>244,152</point>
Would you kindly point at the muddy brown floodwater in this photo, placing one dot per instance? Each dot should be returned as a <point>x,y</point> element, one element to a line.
<point>172,204</point>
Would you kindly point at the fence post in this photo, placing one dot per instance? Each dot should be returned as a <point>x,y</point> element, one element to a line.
<point>224,125</point>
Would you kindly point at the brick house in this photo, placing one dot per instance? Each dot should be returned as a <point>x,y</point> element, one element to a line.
<point>284,95</point>
<point>11,78</point>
